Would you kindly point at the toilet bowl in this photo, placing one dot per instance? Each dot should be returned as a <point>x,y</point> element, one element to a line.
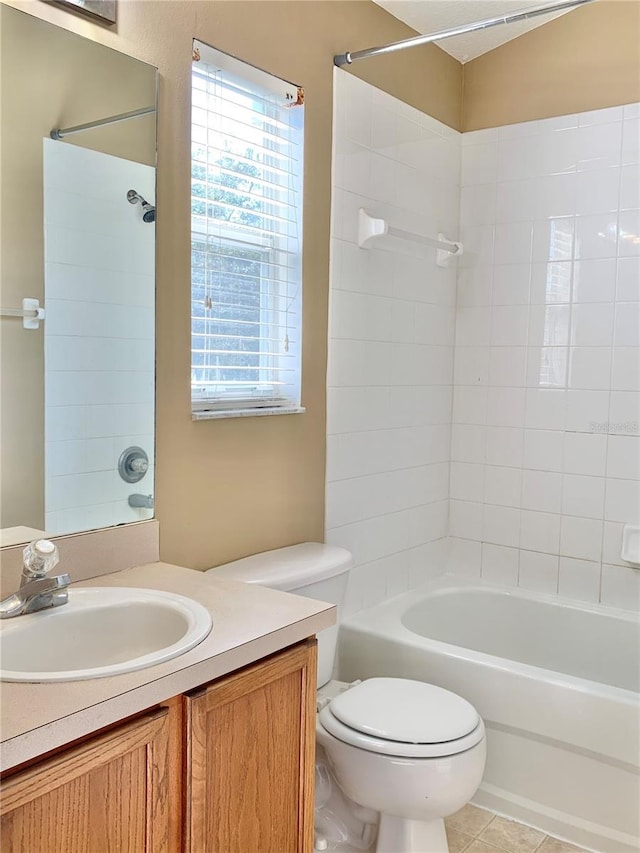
<point>409,751</point>
<point>412,752</point>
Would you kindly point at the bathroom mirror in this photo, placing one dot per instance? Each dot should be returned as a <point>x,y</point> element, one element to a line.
<point>77,286</point>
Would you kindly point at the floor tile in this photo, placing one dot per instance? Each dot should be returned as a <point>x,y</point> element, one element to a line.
<point>478,846</point>
<point>554,845</point>
<point>511,836</point>
<point>470,820</point>
<point>457,841</point>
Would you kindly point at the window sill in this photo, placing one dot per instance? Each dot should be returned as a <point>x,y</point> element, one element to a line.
<point>210,415</point>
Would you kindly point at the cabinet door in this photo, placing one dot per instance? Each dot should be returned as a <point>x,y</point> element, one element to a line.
<point>250,758</point>
<point>110,794</point>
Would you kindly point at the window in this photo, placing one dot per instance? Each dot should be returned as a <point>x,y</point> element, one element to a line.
<point>246,238</point>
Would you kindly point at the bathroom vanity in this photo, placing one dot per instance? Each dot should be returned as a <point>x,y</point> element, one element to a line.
<point>213,750</point>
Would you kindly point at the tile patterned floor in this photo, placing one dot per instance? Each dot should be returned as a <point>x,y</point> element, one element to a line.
<point>474,830</point>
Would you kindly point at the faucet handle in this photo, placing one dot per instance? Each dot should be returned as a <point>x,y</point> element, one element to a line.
<point>40,557</point>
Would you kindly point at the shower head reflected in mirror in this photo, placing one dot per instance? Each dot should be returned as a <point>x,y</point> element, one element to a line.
<point>148,210</point>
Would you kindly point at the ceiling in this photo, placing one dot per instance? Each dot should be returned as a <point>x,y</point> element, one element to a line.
<point>428,16</point>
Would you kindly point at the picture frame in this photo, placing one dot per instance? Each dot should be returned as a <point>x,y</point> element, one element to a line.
<point>103,11</point>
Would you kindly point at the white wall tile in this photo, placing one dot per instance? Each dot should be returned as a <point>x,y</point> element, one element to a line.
<point>631,139</point>
<point>587,410</point>
<point>623,457</point>
<point>592,324</point>
<point>553,237</point>
<point>589,368</point>
<point>390,371</point>
<point>507,366</point>
<point>599,145</point>
<point>465,520</point>
<point>479,163</point>
<point>585,454</point>
<point>556,195</point>
<point>603,116</point>
<point>581,538</point>
<point>594,281</point>
<point>627,324</point>
<point>505,407</point>
<point>625,372</point>
<point>502,486</point>
<point>612,543</point>
<point>474,288</point>
<point>544,449</point>
<point>473,326</point>
<point>579,579</point>
<point>509,324</point>
<point>596,236</point>
<point>598,191</point>
<point>545,409</point>
<point>500,525</point>
<point>513,243</point>
<point>538,572</point>
<point>542,491</point>
<point>542,395</point>
<point>499,564</point>
<point>628,281</point>
<point>620,587</point>
<point>630,187</point>
<point>511,285</point>
<point>467,481</point>
<point>550,282</point>
<point>504,446</point>
<point>624,407</point>
<point>622,501</point>
<point>540,531</point>
<point>467,443</point>
<point>628,231</point>
<point>464,557</point>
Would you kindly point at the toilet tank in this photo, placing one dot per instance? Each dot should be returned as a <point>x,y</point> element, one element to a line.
<point>311,569</point>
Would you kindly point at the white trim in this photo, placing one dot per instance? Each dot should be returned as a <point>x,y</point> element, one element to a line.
<point>245,72</point>
<point>210,415</point>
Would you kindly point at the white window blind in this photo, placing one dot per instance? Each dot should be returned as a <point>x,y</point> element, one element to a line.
<point>246,236</point>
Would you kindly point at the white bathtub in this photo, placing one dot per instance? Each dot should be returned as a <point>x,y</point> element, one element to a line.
<point>557,685</point>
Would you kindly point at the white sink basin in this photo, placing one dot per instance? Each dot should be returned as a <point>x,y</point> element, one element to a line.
<point>101,631</point>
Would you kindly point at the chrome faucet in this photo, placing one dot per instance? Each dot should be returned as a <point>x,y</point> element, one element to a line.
<point>37,591</point>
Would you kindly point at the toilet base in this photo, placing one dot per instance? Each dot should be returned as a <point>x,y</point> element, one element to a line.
<point>401,835</point>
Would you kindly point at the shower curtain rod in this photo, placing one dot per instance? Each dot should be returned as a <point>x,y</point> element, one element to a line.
<point>60,132</point>
<point>349,57</point>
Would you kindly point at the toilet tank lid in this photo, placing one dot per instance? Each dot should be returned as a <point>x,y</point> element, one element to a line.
<point>289,568</point>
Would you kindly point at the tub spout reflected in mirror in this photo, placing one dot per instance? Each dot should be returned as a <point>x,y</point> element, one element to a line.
<point>141,501</point>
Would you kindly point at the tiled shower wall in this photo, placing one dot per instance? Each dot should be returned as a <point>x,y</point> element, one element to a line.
<point>99,335</point>
<point>390,343</point>
<point>545,434</point>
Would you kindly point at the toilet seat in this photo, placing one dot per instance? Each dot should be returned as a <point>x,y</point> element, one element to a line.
<point>397,716</point>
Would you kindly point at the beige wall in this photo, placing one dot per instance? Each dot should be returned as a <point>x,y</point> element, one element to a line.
<point>232,487</point>
<point>586,60</point>
<point>48,78</point>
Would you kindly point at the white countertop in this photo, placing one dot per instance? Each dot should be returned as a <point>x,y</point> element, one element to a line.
<point>249,623</point>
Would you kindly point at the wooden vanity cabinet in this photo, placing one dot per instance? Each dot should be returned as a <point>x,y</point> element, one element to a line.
<point>110,793</point>
<point>250,758</point>
<point>228,768</point>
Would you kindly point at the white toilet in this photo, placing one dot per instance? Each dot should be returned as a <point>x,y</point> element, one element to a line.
<point>411,751</point>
